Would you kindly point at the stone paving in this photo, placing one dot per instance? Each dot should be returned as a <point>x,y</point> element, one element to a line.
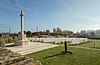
<point>33,47</point>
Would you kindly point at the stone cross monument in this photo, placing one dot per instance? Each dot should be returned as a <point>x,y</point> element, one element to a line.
<point>22,25</point>
<point>22,40</point>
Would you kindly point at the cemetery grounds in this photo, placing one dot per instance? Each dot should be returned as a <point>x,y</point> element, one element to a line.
<point>82,54</point>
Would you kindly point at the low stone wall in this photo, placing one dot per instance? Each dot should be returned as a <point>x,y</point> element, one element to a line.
<point>8,57</point>
<point>59,40</point>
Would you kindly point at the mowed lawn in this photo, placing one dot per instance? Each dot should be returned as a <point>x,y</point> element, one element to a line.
<point>90,44</point>
<point>79,56</point>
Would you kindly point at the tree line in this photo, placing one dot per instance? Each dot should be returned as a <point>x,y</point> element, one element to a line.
<point>55,32</point>
<point>58,32</point>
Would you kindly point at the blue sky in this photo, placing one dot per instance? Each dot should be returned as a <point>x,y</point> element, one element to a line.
<point>72,15</point>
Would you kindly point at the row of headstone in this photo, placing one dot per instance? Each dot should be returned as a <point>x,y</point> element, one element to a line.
<point>59,40</point>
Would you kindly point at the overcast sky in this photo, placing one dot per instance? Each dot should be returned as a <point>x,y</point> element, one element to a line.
<point>72,15</point>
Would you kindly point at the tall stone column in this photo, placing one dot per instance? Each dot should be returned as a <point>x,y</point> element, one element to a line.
<point>22,25</point>
<point>22,40</point>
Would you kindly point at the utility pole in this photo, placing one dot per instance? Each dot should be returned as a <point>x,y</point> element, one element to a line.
<point>9,30</point>
<point>37,29</point>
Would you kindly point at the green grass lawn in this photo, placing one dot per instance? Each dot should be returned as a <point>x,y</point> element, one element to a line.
<point>90,44</point>
<point>80,56</point>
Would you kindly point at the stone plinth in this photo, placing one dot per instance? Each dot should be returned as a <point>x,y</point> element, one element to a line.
<point>22,42</point>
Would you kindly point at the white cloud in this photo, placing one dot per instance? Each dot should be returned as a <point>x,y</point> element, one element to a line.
<point>3,23</point>
<point>63,3</point>
<point>28,11</point>
<point>7,5</point>
<point>90,18</point>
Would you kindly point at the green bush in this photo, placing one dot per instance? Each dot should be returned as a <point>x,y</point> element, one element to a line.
<point>9,41</point>
<point>31,40</point>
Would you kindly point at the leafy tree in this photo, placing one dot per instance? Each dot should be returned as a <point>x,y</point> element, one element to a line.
<point>29,34</point>
<point>48,32</point>
<point>0,35</point>
<point>71,32</point>
<point>92,34</point>
<point>59,31</point>
<point>54,30</point>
